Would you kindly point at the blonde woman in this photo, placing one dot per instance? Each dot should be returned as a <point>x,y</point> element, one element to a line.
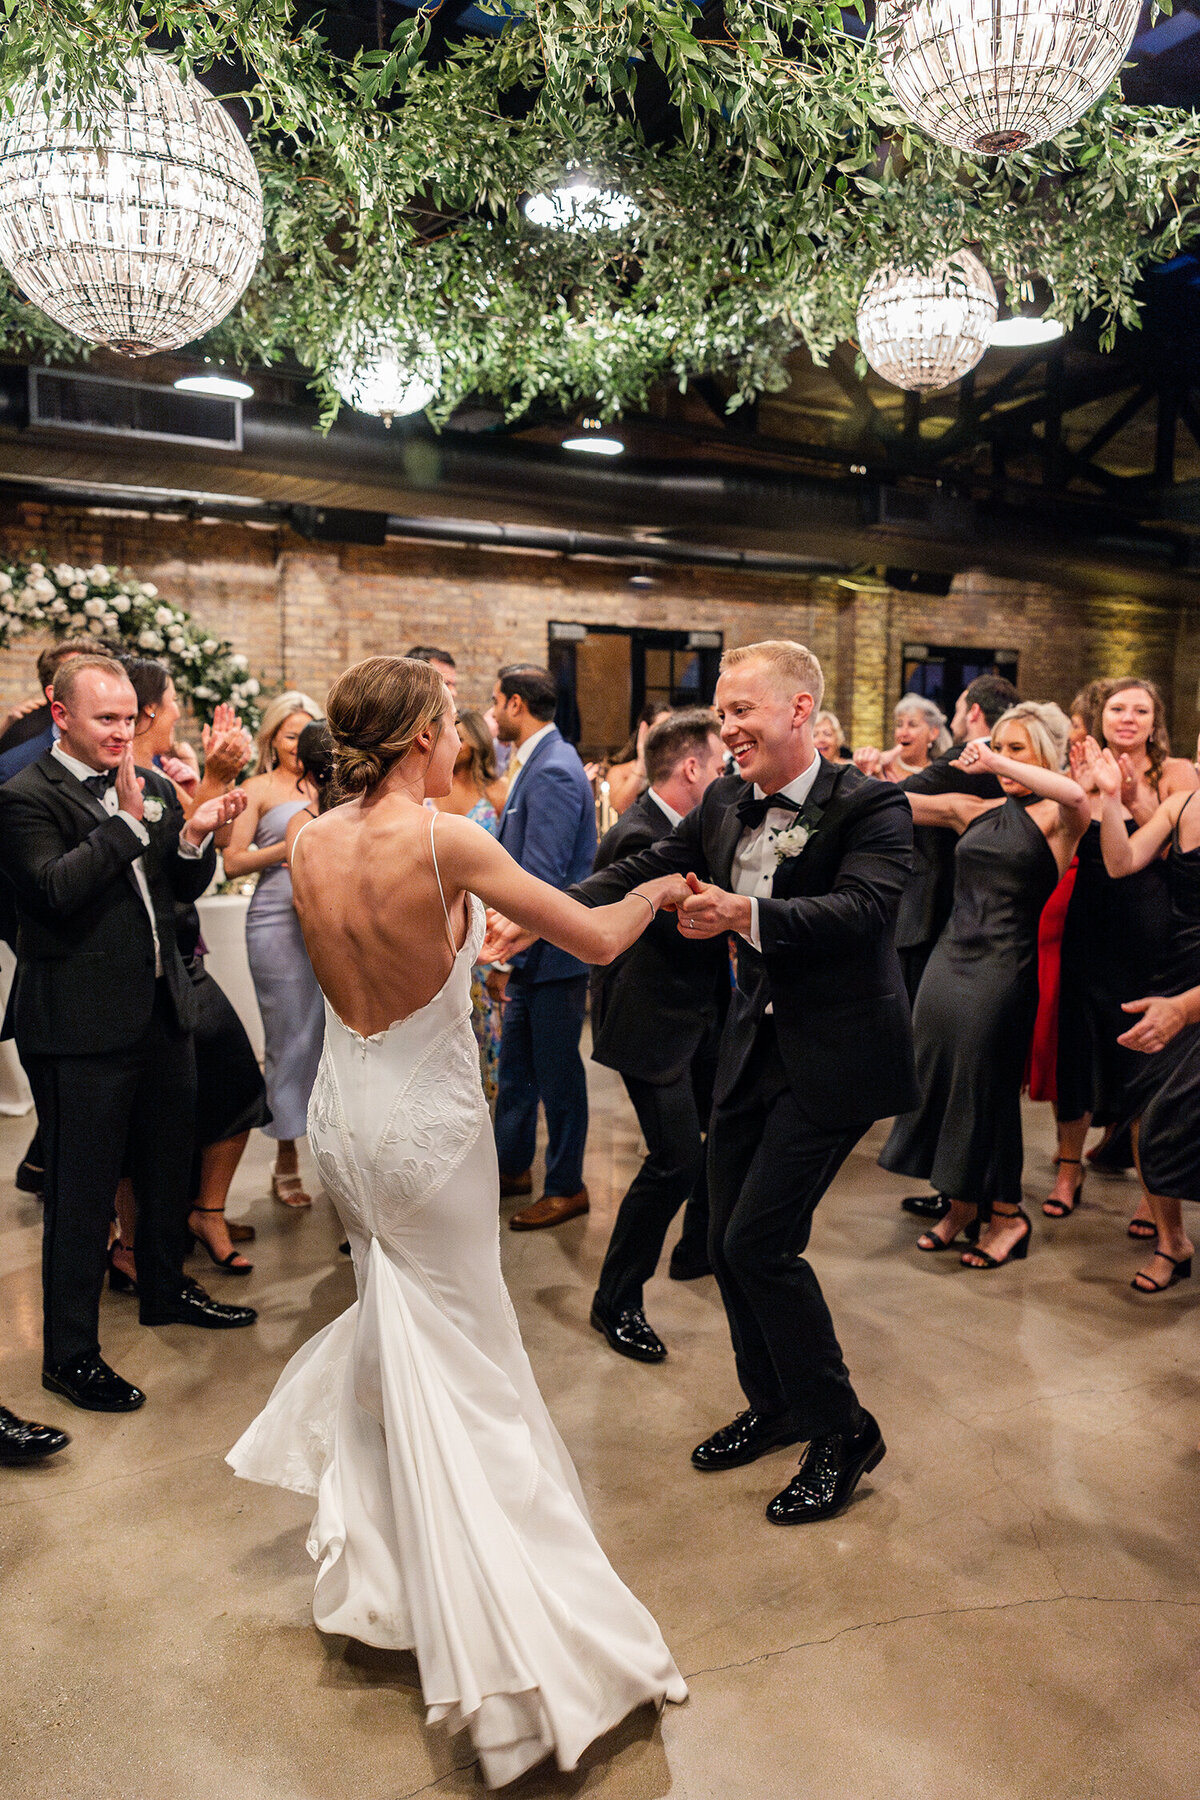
<point>978,997</point>
<point>288,996</point>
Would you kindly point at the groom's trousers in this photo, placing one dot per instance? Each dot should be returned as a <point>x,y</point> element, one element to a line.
<point>768,1166</point>
<point>126,1112</point>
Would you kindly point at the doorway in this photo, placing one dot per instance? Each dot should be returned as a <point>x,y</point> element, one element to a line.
<point>605,674</point>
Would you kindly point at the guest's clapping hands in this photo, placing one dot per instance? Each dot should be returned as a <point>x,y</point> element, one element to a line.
<point>215,816</point>
<point>1105,771</point>
<point>228,746</point>
<point>711,912</point>
<point>503,939</point>
<point>180,772</point>
<point>1161,1019</point>
<point>129,785</point>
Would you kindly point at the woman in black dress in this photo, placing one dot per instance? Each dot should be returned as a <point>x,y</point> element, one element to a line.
<point>1164,1096</point>
<point>1113,938</point>
<point>978,997</point>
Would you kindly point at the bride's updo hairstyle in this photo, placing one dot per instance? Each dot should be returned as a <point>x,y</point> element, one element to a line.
<point>376,712</point>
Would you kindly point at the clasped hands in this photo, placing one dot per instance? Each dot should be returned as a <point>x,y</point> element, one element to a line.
<point>704,911</point>
<point>1101,772</point>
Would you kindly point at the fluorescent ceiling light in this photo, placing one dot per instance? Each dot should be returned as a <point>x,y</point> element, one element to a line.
<point>581,206</point>
<point>1019,332</point>
<point>225,387</point>
<point>596,444</point>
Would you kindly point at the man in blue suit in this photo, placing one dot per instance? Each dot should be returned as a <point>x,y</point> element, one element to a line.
<point>549,826</point>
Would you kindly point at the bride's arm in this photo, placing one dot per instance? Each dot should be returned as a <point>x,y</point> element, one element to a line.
<point>470,858</point>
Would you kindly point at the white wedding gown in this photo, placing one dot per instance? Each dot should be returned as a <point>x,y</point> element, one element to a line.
<point>449,1516</point>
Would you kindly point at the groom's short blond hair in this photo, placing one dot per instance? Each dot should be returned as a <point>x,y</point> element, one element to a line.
<point>797,667</point>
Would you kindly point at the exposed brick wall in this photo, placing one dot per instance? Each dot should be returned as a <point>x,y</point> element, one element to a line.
<point>303,612</point>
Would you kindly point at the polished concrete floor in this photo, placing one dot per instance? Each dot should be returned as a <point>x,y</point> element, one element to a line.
<point>1009,1611</point>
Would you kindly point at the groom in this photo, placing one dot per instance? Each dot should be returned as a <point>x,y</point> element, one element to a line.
<point>803,861</point>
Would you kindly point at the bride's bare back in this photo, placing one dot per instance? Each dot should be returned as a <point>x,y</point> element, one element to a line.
<point>366,891</point>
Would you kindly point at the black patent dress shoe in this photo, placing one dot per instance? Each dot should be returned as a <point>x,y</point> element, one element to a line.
<point>190,1305</point>
<point>688,1268</point>
<point>628,1332</point>
<point>926,1206</point>
<point>746,1438</point>
<point>28,1179</point>
<point>88,1382</point>
<point>25,1441</point>
<point>830,1470</point>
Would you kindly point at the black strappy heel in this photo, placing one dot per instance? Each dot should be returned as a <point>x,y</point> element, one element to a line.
<point>1018,1253</point>
<point>229,1263</point>
<point>1181,1270</point>
<point>1059,1209</point>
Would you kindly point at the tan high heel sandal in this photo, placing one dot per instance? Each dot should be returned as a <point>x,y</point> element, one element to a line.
<point>289,1190</point>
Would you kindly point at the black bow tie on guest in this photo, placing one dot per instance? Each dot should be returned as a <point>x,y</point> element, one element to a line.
<point>752,812</point>
<point>99,784</point>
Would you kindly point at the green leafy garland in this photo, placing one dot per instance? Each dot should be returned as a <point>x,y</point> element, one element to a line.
<point>787,175</point>
<point>129,615</point>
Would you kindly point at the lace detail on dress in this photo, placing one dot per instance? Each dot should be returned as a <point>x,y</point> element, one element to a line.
<point>433,1123</point>
<point>326,1133</point>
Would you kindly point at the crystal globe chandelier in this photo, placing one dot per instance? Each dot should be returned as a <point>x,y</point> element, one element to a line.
<point>995,75</point>
<point>381,374</point>
<point>137,227</point>
<point>921,332</point>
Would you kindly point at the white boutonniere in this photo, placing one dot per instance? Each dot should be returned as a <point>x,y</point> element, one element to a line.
<point>152,810</point>
<point>791,842</point>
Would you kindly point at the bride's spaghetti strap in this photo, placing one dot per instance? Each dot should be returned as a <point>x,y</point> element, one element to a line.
<point>454,948</point>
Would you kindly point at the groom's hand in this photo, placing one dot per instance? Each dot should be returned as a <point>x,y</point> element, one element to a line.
<point>711,912</point>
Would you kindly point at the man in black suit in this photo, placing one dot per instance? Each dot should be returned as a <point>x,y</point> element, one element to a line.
<point>656,1018</point>
<point>805,861</point>
<point>929,893</point>
<point>102,1010</point>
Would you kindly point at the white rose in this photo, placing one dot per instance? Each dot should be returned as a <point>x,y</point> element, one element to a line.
<point>251,687</point>
<point>152,810</point>
<point>5,583</point>
<point>64,574</point>
<point>14,625</point>
<point>57,608</point>
<point>208,646</point>
<point>239,662</point>
<point>78,590</point>
<point>151,592</point>
<point>44,588</point>
<point>175,646</point>
<point>164,616</point>
<point>120,604</point>
<point>149,640</point>
<point>36,571</point>
<point>79,575</point>
<point>95,609</point>
<point>96,625</point>
<point>203,693</point>
<point>111,621</point>
<point>98,575</point>
<point>77,621</point>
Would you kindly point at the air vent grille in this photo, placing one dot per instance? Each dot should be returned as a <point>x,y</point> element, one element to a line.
<point>65,400</point>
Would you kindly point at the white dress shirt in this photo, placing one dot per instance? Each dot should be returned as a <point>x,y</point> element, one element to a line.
<point>113,807</point>
<point>672,817</point>
<point>754,864</point>
<point>521,757</point>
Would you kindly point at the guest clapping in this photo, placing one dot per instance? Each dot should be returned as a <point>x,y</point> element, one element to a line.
<point>289,999</point>
<point>978,997</point>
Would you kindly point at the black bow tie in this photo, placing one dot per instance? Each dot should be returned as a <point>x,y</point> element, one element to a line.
<point>99,784</point>
<point>752,812</point>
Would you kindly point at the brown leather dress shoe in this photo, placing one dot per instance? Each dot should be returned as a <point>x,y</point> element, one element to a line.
<point>551,1209</point>
<point>511,1185</point>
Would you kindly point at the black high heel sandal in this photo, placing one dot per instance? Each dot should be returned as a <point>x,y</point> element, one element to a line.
<point>1060,1209</point>
<point>119,1282</point>
<point>1018,1253</point>
<point>229,1263</point>
<point>1181,1270</point>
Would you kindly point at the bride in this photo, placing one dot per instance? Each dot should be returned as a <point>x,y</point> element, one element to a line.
<point>449,1515</point>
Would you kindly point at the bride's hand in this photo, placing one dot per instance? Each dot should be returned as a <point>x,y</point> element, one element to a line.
<point>666,893</point>
<point>503,939</point>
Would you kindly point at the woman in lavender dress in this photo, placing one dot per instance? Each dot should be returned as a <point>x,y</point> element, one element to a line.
<point>288,996</point>
<point>476,793</point>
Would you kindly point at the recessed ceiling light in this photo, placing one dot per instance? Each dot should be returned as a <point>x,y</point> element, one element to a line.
<point>581,206</point>
<point>224,387</point>
<point>593,440</point>
<point>1021,332</point>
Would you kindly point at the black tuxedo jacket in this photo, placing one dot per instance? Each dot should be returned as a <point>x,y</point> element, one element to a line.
<point>85,951</point>
<point>664,998</point>
<point>828,966</point>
